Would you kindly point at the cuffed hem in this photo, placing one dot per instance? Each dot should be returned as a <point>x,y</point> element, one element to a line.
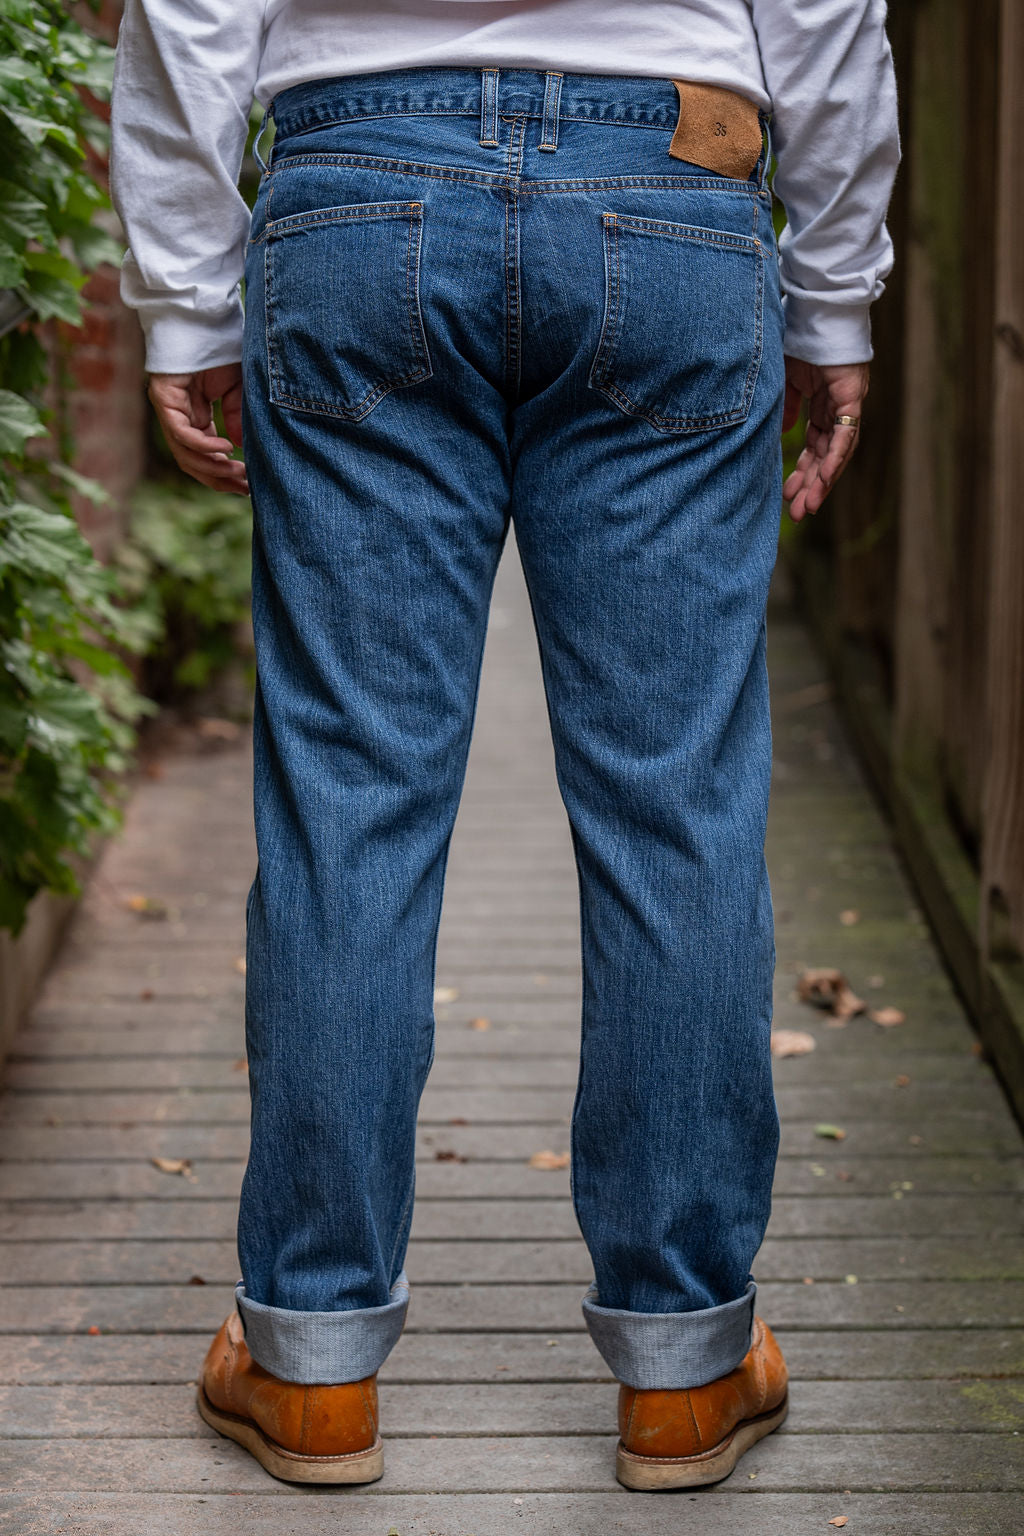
<point>823,333</point>
<point>322,1348</point>
<point>669,1350</point>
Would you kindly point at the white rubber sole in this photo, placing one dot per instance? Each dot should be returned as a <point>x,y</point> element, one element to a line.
<point>359,1467</point>
<point>653,1472</point>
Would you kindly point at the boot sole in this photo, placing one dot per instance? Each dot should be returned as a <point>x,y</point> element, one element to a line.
<point>651,1472</point>
<point>357,1467</point>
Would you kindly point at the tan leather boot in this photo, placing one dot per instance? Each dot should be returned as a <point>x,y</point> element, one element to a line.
<point>683,1438</point>
<point>301,1434</point>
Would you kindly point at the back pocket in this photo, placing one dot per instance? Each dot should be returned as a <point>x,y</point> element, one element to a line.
<point>681,340</point>
<point>344,326</point>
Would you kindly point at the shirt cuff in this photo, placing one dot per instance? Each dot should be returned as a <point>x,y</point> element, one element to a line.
<point>182,341</point>
<point>818,331</point>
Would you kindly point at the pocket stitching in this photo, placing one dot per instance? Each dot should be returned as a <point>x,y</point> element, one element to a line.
<point>607,346</point>
<point>346,214</point>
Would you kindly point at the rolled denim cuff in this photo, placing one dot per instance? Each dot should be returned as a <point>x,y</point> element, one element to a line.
<point>668,1350</point>
<point>322,1348</point>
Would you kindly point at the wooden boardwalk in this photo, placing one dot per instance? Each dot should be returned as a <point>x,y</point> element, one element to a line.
<point>892,1272</point>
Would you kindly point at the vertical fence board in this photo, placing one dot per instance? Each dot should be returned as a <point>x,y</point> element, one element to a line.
<point>1003,847</point>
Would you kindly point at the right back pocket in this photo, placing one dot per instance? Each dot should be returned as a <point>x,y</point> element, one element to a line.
<point>680,343</point>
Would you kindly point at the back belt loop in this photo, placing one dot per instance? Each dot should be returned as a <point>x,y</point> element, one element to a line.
<point>489,108</point>
<point>552,97</point>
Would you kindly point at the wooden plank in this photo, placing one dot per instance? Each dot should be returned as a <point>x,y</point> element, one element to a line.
<point>40,1194</point>
<point>915,1217</point>
<point>549,1408</point>
<point>579,1463</point>
<point>532,1308</point>
<point>925,1033</point>
<point>949,1136</point>
<point>504,1262</point>
<point>913,1104</point>
<point>148,1359</point>
<point>612,1512</point>
<point>862,1072</point>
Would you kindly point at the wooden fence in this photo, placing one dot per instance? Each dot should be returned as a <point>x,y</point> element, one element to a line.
<point>913,575</point>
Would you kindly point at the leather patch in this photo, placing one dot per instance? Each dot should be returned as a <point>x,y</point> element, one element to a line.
<point>717,129</point>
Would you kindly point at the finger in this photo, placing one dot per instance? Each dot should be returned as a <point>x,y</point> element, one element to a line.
<point>220,469</point>
<point>197,440</point>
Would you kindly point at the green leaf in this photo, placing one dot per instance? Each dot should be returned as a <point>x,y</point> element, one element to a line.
<point>40,543</point>
<point>22,216</point>
<point>18,422</point>
<point>52,298</point>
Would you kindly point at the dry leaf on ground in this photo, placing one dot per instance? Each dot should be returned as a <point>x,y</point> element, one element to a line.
<point>180,1165</point>
<point>791,1042</point>
<point>839,1519</point>
<point>445,994</point>
<point>212,728</point>
<point>887,1017</point>
<point>826,987</point>
<point>549,1161</point>
<point>480,1023</point>
<point>830,1132</point>
<point>146,906</point>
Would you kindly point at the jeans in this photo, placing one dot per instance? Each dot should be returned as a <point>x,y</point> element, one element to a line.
<point>475,297</point>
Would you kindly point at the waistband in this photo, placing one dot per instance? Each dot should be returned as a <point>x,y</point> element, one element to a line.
<point>624,100</point>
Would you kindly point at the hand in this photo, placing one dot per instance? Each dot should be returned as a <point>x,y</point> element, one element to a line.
<point>184,406</point>
<point>832,390</point>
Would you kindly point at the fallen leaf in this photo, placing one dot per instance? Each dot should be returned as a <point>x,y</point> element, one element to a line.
<point>549,1161</point>
<point>887,1017</point>
<point>213,729</point>
<point>791,1042</point>
<point>839,1519</point>
<point>146,906</point>
<point>240,965</point>
<point>849,917</point>
<point>92,1328</point>
<point>480,1023</point>
<point>180,1165</point>
<point>830,1132</point>
<point>445,994</point>
<point>147,994</point>
<point>808,1280</point>
<point>826,987</point>
<point>458,1120</point>
<point>851,1279</point>
<point>196,1280</point>
<point>447,1155</point>
<point>903,1081</point>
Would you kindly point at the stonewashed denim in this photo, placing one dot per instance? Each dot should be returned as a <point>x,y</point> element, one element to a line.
<point>475,297</point>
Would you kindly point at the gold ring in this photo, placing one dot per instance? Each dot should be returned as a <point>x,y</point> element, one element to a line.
<point>846,421</point>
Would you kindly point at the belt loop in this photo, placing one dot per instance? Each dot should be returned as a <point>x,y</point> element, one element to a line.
<point>766,152</point>
<point>256,142</point>
<point>489,108</point>
<point>552,97</point>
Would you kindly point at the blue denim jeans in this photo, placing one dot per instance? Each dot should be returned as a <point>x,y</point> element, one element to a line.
<point>475,297</point>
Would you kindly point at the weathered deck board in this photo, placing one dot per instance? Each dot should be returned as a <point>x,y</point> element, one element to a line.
<point>908,1384</point>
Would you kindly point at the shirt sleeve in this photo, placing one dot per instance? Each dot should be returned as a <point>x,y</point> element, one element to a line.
<point>828,70</point>
<point>183,86</point>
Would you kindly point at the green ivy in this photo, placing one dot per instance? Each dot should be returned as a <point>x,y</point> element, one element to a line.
<point>67,699</point>
<point>186,562</point>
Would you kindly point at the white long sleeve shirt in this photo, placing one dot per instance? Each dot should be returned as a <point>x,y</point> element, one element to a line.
<point>187,72</point>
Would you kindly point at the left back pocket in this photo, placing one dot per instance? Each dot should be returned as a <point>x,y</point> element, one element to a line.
<point>344,325</point>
